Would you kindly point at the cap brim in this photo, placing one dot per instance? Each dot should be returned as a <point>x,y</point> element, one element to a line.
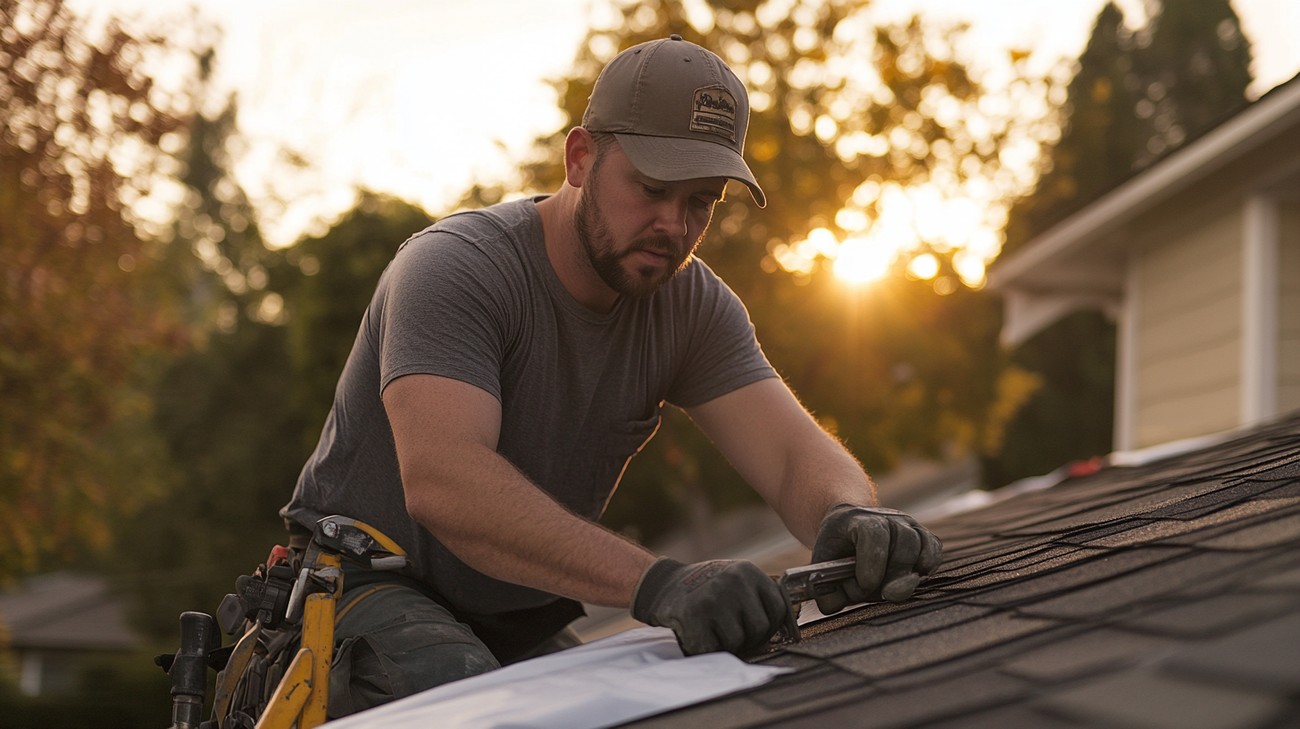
<point>675,158</point>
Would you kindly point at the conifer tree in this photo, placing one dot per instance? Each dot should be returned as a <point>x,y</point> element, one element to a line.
<point>1136,95</point>
<point>1194,71</point>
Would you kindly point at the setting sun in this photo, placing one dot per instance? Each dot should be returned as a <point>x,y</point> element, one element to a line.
<point>890,229</point>
<point>863,260</point>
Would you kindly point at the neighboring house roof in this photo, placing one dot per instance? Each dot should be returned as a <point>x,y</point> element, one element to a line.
<point>1079,262</point>
<point>64,612</point>
<point>1157,595</point>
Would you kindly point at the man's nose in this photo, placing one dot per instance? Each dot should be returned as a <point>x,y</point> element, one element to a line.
<point>670,218</point>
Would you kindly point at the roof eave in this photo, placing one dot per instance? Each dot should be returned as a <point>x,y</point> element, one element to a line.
<point>1254,126</point>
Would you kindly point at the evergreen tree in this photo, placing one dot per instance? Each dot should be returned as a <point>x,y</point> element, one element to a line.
<point>1097,149</point>
<point>1135,96</point>
<point>327,285</point>
<point>1194,70</point>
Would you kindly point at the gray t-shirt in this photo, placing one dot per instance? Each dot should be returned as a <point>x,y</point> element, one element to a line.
<point>474,298</point>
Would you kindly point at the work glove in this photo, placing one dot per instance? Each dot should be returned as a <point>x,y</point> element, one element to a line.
<point>892,550</point>
<point>726,605</point>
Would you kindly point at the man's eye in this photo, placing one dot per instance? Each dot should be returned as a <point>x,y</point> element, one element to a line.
<point>652,191</point>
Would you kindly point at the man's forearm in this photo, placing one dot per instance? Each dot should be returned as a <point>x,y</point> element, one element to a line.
<point>784,454</point>
<point>501,524</point>
<point>820,475</point>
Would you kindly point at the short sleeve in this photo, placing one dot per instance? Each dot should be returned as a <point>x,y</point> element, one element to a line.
<point>444,313</point>
<point>721,350</point>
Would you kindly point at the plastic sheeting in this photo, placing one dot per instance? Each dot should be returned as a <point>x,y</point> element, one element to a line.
<point>627,676</point>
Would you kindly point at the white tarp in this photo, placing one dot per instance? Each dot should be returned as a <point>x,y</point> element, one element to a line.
<point>627,676</point>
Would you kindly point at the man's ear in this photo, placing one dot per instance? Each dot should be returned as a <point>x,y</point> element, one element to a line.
<point>579,155</point>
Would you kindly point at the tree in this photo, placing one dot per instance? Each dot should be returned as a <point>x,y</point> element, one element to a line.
<point>1194,70</point>
<point>847,115</point>
<point>1134,96</point>
<point>236,410</point>
<point>86,137</point>
<point>1102,132</point>
<point>243,411</point>
<point>223,410</point>
<point>327,289</point>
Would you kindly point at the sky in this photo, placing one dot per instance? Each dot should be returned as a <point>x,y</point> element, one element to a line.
<point>419,98</point>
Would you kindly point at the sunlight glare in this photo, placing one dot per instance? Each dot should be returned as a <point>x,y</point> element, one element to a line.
<point>959,219</point>
<point>866,193</point>
<point>825,128</point>
<point>985,243</point>
<point>923,267</point>
<point>801,120</point>
<point>863,260</point>
<point>969,268</point>
<point>699,15</point>
<point>931,216</point>
<point>888,228</point>
<point>852,220</point>
<point>822,242</point>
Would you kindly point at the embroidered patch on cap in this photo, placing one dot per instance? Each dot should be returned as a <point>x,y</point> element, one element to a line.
<point>714,112</point>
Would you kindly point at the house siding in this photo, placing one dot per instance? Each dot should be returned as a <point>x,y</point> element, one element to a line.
<point>1188,274</point>
<point>1289,306</point>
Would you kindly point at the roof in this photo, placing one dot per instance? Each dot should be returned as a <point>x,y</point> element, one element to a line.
<point>1273,115</point>
<point>64,611</point>
<point>1082,257</point>
<point>1156,595</point>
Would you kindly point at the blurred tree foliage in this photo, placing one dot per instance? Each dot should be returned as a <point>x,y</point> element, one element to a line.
<point>1101,136</point>
<point>1192,63</point>
<point>86,143</point>
<point>243,411</point>
<point>329,283</point>
<point>240,411</point>
<point>839,104</point>
<point>1135,95</point>
<point>220,404</point>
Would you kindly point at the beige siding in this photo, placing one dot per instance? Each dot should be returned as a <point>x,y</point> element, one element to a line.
<point>1188,328</point>
<point>1289,308</point>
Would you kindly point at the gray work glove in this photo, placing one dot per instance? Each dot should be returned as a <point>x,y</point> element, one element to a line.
<point>892,550</point>
<point>718,605</point>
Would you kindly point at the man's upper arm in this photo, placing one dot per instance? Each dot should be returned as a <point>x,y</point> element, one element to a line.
<point>446,312</point>
<point>432,417</point>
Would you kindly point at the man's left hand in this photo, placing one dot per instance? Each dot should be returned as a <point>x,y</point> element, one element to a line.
<point>892,550</point>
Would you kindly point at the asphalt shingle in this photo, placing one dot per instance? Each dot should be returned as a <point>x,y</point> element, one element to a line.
<point>1159,595</point>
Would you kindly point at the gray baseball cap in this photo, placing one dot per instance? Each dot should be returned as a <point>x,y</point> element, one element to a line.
<point>677,110</point>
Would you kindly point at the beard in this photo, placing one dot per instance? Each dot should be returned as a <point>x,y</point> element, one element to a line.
<point>637,282</point>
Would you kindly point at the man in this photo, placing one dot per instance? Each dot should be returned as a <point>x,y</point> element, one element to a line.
<point>511,362</point>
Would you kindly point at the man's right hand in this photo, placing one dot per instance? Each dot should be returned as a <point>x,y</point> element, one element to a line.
<point>717,605</point>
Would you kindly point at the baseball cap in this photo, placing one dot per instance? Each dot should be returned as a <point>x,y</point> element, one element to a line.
<point>677,110</point>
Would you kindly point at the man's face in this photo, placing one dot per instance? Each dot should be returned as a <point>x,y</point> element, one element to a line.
<point>638,232</point>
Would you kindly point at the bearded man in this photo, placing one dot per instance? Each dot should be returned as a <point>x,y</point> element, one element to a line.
<point>512,361</point>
